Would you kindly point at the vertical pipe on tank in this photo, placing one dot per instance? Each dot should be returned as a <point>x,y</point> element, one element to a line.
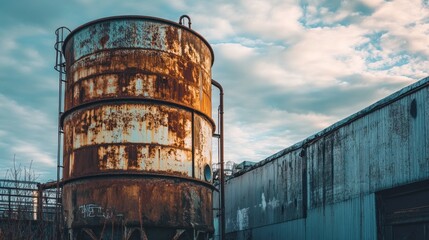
<point>222,174</point>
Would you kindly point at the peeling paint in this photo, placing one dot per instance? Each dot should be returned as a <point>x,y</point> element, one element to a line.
<point>263,202</point>
<point>137,127</point>
<point>242,218</point>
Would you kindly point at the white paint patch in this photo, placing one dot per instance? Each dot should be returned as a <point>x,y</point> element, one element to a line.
<point>123,164</point>
<point>273,203</point>
<point>139,86</point>
<point>243,218</point>
<point>91,89</point>
<point>263,202</point>
<point>111,86</point>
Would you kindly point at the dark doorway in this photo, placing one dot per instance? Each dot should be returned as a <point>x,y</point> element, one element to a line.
<point>403,212</point>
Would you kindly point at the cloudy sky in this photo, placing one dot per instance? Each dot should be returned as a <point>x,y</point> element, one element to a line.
<point>289,68</point>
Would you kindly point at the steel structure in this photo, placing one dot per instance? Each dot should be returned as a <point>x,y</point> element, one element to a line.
<point>137,130</point>
<point>26,200</point>
<point>59,66</point>
<point>365,177</point>
<point>221,162</point>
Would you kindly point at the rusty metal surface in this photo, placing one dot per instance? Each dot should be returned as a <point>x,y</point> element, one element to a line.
<point>138,137</point>
<point>150,201</point>
<point>129,58</point>
<point>137,105</point>
<point>128,137</point>
<point>203,152</point>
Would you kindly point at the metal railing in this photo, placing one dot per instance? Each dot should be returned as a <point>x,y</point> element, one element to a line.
<point>27,200</point>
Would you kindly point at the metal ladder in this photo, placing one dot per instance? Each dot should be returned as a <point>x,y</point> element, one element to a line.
<point>60,67</point>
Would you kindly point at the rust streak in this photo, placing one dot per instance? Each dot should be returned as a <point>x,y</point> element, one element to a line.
<point>139,99</point>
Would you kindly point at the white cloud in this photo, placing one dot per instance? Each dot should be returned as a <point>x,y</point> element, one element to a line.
<point>274,130</point>
<point>28,118</point>
<point>30,151</point>
<point>19,56</point>
<point>269,20</point>
<point>235,51</point>
<point>326,53</point>
<point>324,59</point>
<point>372,3</point>
<point>406,23</point>
<point>27,133</point>
<point>214,28</point>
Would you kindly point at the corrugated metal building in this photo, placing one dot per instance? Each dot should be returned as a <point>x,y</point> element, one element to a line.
<point>365,177</point>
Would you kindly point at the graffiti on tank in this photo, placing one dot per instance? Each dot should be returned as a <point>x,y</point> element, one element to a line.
<point>93,210</point>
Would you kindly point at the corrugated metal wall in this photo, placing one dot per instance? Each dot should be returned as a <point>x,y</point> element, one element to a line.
<point>270,194</point>
<point>323,187</point>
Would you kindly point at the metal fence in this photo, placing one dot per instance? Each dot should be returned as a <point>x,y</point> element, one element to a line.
<point>27,200</point>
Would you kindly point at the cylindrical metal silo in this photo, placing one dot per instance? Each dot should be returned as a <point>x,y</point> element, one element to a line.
<point>137,131</point>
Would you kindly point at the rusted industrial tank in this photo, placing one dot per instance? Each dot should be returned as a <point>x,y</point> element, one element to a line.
<point>137,131</point>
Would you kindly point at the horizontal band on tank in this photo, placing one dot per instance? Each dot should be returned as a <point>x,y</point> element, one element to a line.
<point>133,100</point>
<point>152,86</point>
<point>135,158</point>
<point>130,144</point>
<point>119,71</point>
<point>138,201</point>
<point>137,17</point>
<point>138,175</point>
